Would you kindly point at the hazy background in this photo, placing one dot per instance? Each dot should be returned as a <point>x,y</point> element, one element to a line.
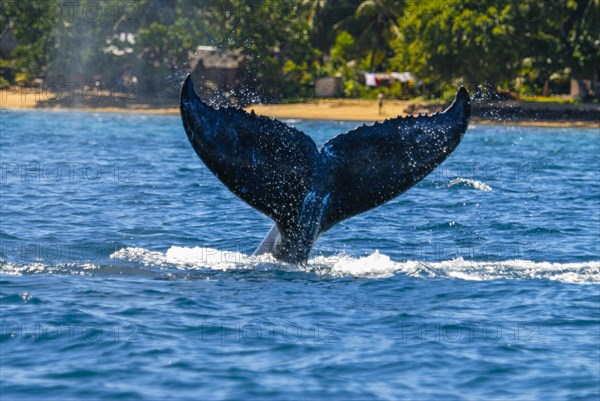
<point>276,49</point>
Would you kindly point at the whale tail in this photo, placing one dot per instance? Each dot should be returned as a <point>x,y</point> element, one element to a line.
<point>278,169</point>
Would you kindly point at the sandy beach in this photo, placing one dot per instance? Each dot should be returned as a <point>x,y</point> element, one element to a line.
<point>366,110</point>
<point>33,98</point>
<point>319,109</point>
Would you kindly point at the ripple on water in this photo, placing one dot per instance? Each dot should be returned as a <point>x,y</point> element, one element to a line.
<point>154,294</point>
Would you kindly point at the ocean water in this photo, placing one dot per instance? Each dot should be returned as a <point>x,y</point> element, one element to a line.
<point>125,273</point>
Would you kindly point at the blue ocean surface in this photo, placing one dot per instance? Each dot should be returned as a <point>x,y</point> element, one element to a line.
<point>125,273</point>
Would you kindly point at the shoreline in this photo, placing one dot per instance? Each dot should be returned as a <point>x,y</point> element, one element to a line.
<point>359,110</point>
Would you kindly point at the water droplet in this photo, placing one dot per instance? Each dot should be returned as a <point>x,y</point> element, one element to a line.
<point>26,297</point>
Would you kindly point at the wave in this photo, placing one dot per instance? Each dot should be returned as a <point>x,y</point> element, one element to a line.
<point>468,183</point>
<point>374,266</point>
<point>379,265</point>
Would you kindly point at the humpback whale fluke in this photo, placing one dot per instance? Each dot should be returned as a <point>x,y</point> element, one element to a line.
<point>279,171</point>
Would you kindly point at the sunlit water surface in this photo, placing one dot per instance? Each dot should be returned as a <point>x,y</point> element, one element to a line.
<point>125,273</point>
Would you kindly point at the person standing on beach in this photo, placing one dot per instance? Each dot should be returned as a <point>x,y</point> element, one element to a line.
<point>380,102</point>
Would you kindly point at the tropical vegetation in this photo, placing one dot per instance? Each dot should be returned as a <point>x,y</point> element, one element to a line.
<point>523,46</point>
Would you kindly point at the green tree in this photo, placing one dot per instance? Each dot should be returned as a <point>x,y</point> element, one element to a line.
<point>34,28</point>
<point>343,49</point>
<point>378,24</point>
<point>322,16</point>
<point>559,36</point>
<point>476,42</point>
<point>268,33</point>
<point>469,40</point>
<point>577,25</point>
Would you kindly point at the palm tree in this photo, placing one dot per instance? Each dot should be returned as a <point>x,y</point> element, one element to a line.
<point>314,20</point>
<point>314,10</point>
<point>380,21</point>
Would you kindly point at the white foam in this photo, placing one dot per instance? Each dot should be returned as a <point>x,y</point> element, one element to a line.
<point>15,269</point>
<point>468,183</point>
<point>185,258</point>
<point>378,266</point>
<point>213,258</point>
<point>374,266</point>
